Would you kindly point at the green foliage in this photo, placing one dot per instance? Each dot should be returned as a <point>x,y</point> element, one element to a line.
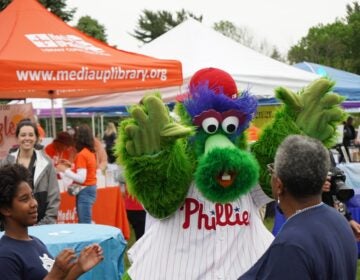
<point>277,55</point>
<point>57,7</point>
<point>92,28</point>
<point>239,34</point>
<point>335,44</point>
<point>3,4</point>
<point>153,24</point>
<point>243,36</point>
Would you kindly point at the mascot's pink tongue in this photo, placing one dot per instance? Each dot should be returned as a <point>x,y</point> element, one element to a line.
<point>220,141</point>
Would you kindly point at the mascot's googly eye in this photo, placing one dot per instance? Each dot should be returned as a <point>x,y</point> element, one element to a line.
<point>230,124</point>
<point>210,125</point>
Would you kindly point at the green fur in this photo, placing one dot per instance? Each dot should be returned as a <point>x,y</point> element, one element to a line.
<point>271,137</point>
<point>314,111</point>
<point>180,110</point>
<point>158,170</point>
<point>230,160</point>
<point>160,182</point>
<point>242,141</point>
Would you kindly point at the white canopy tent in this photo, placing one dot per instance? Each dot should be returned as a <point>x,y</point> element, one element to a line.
<point>198,46</point>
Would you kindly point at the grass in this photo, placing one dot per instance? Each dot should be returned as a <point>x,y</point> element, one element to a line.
<point>269,223</point>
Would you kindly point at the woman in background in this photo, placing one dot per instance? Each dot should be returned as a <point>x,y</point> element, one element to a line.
<point>83,172</point>
<point>109,139</point>
<point>43,174</point>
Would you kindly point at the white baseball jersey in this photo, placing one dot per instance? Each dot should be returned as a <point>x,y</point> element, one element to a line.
<point>202,240</point>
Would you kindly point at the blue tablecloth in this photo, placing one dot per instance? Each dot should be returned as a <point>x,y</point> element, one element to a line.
<point>77,236</point>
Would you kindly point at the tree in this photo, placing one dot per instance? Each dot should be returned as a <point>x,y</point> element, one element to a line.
<point>153,24</point>
<point>3,4</point>
<point>353,20</point>
<point>57,7</point>
<point>92,28</point>
<point>335,44</point>
<point>277,55</point>
<point>239,34</point>
<point>243,36</point>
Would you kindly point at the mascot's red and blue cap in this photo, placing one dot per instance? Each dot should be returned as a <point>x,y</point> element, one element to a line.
<point>218,81</point>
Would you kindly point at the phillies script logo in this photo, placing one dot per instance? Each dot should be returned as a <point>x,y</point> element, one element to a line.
<point>222,215</point>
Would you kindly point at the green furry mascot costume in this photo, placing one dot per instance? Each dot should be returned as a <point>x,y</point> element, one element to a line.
<point>197,179</point>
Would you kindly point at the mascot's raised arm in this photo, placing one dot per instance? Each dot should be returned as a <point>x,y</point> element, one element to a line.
<point>196,177</point>
<point>314,111</point>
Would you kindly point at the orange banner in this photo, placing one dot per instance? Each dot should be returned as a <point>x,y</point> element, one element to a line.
<point>50,59</point>
<point>109,209</point>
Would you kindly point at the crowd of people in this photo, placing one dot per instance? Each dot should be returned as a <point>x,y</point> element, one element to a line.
<point>315,241</point>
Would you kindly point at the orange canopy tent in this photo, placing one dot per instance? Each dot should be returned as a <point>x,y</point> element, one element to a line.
<point>43,57</point>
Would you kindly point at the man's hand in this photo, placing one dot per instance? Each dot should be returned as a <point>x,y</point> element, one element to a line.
<point>315,109</point>
<point>152,127</point>
<point>355,226</point>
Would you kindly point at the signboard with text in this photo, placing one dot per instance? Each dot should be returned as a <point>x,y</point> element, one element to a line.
<point>10,115</point>
<point>264,115</point>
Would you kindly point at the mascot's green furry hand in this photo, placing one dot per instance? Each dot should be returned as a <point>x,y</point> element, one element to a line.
<point>153,127</point>
<point>315,109</point>
<point>152,148</point>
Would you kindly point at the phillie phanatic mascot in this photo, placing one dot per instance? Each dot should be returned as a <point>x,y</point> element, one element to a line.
<point>197,179</point>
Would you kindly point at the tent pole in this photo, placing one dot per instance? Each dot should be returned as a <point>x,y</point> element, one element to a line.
<point>93,124</point>
<point>102,125</point>
<point>53,118</point>
<point>51,93</point>
<point>64,120</point>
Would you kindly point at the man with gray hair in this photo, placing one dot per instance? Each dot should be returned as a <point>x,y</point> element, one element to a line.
<point>316,242</point>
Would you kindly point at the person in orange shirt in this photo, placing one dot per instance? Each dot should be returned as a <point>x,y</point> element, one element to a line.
<point>62,148</point>
<point>253,133</point>
<point>83,173</point>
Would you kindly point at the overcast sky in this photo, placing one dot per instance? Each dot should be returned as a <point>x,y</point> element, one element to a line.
<point>281,22</point>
